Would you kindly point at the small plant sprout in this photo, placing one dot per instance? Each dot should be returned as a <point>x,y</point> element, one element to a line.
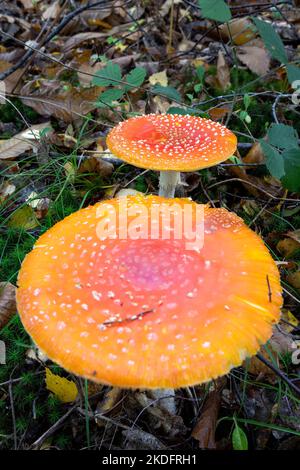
<point>171,143</point>
<point>108,296</point>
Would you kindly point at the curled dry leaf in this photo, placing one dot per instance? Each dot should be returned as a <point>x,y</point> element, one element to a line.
<point>255,154</point>
<point>109,405</point>
<point>7,302</point>
<point>218,113</point>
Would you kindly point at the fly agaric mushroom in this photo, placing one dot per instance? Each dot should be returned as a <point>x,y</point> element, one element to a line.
<point>171,143</point>
<point>148,312</point>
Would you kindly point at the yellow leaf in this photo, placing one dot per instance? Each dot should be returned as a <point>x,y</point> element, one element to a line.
<point>65,390</point>
<point>24,218</point>
<point>159,78</point>
<point>293,322</point>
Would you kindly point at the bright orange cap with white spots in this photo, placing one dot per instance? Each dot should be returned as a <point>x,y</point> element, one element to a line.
<point>171,142</point>
<point>148,312</point>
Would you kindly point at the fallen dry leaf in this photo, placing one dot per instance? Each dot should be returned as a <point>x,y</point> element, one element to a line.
<point>294,279</point>
<point>11,82</point>
<point>7,302</point>
<point>287,247</point>
<point>219,112</point>
<point>223,72</point>
<point>96,165</point>
<point>204,431</point>
<point>48,98</point>
<point>52,11</point>
<point>256,58</point>
<point>22,142</point>
<point>279,344</point>
<point>78,39</point>
<point>27,4</point>
<point>295,235</point>
<point>6,190</point>
<point>241,31</point>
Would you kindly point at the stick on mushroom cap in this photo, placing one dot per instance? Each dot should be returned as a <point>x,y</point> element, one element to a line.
<point>171,142</point>
<point>148,313</point>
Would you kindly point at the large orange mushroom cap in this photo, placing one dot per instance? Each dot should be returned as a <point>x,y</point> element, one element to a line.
<point>144,312</point>
<point>171,142</point>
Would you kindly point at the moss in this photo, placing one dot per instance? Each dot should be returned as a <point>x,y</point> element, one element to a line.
<point>9,114</point>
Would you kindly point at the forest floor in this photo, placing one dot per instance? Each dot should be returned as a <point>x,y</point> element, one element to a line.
<point>63,65</point>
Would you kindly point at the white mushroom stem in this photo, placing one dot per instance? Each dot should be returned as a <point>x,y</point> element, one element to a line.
<point>168,181</point>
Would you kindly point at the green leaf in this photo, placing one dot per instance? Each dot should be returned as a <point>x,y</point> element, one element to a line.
<point>109,75</point>
<point>109,96</point>
<point>198,87</point>
<point>293,73</point>
<point>200,71</point>
<point>243,114</point>
<point>135,78</point>
<point>216,10</point>
<point>177,110</point>
<point>291,180</point>
<point>239,439</point>
<point>247,101</point>
<point>167,91</point>
<point>274,160</point>
<point>282,136</point>
<point>271,40</point>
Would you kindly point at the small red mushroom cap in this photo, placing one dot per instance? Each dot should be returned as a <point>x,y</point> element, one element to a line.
<point>145,312</point>
<point>171,142</point>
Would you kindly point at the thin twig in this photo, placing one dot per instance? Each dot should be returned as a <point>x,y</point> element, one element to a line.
<point>13,415</point>
<point>53,428</point>
<point>66,19</point>
<point>279,373</point>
